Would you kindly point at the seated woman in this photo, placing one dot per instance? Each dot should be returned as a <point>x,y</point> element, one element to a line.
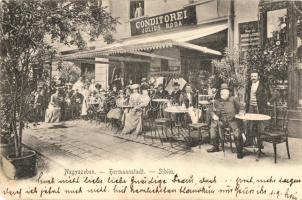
<point>53,112</point>
<point>116,111</point>
<point>133,118</point>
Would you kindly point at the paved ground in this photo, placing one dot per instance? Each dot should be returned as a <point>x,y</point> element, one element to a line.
<point>81,140</point>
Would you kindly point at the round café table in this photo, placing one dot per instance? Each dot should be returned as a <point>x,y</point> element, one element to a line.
<point>204,102</point>
<point>161,103</point>
<point>125,107</point>
<point>176,110</point>
<point>257,118</point>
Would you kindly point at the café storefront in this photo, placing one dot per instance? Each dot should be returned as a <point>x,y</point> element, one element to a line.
<point>168,45</point>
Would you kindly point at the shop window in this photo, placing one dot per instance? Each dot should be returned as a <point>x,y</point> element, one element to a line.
<point>137,8</point>
<point>276,22</point>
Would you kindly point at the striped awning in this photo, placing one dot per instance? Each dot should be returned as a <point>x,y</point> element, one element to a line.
<point>145,44</point>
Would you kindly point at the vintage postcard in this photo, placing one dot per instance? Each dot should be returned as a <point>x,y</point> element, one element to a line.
<point>150,99</point>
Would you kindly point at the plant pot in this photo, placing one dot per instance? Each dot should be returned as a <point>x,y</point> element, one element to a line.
<point>20,167</point>
<point>5,150</point>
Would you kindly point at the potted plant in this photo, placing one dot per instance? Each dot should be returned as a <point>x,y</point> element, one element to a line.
<point>230,71</point>
<point>6,144</point>
<point>28,30</point>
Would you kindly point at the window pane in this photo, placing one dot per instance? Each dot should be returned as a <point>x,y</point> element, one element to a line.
<point>137,8</point>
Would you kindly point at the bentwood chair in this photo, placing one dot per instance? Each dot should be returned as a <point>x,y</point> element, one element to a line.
<point>163,124</point>
<point>227,136</point>
<point>277,134</point>
<point>147,121</point>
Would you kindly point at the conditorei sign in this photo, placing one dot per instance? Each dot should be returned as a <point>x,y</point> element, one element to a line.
<point>183,17</point>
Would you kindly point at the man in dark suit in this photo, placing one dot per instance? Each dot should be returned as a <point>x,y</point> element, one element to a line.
<point>188,97</point>
<point>161,93</point>
<point>256,95</point>
<point>175,95</point>
<point>77,101</point>
<point>256,98</point>
<point>223,116</point>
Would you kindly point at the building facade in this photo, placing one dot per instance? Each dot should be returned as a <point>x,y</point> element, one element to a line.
<point>173,38</point>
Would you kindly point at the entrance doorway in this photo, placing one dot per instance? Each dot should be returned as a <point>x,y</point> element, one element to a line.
<point>136,71</point>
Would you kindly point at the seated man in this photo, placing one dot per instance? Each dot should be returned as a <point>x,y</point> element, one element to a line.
<point>161,93</point>
<point>223,116</point>
<point>188,97</point>
<point>175,95</point>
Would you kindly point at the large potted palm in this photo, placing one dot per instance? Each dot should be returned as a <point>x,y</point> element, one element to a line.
<point>28,30</point>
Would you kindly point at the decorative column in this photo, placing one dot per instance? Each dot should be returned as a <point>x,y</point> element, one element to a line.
<point>293,76</point>
<point>231,25</point>
<point>102,72</point>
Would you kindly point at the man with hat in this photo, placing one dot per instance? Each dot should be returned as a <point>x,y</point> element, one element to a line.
<point>161,93</point>
<point>223,116</point>
<point>175,95</point>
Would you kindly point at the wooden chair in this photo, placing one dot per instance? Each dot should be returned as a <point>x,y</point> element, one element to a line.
<point>227,136</point>
<point>277,134</point>
<point>102,116</point>
<point>147,122</point>
<point>272,112</point>
<point>163,124</point>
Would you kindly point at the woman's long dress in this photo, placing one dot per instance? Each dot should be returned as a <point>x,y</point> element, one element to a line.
<point>133,118</point>
<point>117,112</point>
<point>85,102</point>
<point>53,112</point>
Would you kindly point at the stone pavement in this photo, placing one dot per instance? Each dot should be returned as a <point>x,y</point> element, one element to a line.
<point>78,141</point>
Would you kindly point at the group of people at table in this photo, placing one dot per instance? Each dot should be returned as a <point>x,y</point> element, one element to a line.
<point>129,105</point>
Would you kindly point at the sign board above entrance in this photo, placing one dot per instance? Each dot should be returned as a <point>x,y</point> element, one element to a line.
<point>171,20</point>
<point>249,37</point>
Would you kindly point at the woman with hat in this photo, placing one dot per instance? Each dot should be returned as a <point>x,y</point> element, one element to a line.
<point>133,119</point>
<point>116,112</point>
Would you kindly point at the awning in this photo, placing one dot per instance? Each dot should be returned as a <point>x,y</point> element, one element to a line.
<point>166,40</point>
